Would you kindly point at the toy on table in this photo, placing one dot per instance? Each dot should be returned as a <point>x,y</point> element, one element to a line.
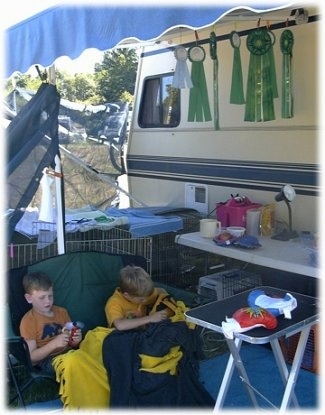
<point>247,318</point>
<point>276,306</point>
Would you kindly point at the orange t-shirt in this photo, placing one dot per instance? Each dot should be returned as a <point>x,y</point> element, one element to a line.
<point>35,326</point>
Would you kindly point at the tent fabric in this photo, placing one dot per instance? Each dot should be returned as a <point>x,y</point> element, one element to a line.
<point>33,143</point>
<point>69,30</point>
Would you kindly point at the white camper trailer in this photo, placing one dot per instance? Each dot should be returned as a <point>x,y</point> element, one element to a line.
<point>176,158</point>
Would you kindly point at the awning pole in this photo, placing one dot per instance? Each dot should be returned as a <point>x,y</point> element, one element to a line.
<point>59,207</point>
<point>60,214</point>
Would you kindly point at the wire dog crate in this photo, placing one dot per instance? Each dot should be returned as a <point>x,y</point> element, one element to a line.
<point>227,283</point>
<point>310,360</point>
<point>113,241</point>
<point>178,265</point>
<point>167,261</point>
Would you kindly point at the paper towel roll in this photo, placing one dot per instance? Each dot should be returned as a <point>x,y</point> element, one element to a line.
<point>253,222</point>
<point>46,213</point>
<point>209,228</point>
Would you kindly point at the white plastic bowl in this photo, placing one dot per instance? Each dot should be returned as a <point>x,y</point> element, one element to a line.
<point>236,231</point>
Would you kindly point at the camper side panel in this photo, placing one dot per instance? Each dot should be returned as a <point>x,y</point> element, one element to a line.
<point>250,158</point>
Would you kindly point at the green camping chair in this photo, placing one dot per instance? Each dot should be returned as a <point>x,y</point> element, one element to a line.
<point>22,373</point>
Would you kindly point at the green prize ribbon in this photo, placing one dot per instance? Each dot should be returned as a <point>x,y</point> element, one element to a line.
<point>286,45</point>
<point>259,97</point>
<point>237,88</point>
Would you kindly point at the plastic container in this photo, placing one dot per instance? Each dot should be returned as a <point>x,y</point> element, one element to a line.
<point>253,221</point>
<point>236,231</point>
<point>233,212</point>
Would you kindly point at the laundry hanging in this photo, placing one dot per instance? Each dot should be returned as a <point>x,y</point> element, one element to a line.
<point>259,96</point>
<point>182,78</point>
<point>237,88</point>
<point>199,109</point>
<point>286,45</point>
<point>214,57</point>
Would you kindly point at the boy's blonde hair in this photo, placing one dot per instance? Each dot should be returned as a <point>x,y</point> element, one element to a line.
<point>36,281</point>
<point>136,281</point>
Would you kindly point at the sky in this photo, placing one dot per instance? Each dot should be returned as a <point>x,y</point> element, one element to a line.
<point>84,64</point>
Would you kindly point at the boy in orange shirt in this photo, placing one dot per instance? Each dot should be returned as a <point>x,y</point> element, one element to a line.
<point>43,326</point>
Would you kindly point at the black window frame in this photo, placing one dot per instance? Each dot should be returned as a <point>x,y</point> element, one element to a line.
<point>148,117</point>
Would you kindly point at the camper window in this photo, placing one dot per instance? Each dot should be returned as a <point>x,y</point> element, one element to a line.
<point>160,103</point>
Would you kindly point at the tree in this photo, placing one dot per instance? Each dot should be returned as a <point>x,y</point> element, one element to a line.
<point>115,76</point>
<point>113,80</point>
<point>84,87</point>
<point>19,80</point>
<point>77,88</point>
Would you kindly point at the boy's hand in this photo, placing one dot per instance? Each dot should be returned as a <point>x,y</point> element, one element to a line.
<point>76,338</point>
<point>62,340</point>
<point>158,316</point>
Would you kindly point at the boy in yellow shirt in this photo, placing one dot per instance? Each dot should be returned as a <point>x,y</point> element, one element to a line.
<point>129,306</point>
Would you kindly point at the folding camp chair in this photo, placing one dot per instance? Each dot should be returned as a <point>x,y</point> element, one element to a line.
<point>22,372</point>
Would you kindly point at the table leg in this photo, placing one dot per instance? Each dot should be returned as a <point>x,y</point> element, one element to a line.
<point>226,381</point>
<point>234,360</point>
<point>284,373</point>
<point>295,368</point>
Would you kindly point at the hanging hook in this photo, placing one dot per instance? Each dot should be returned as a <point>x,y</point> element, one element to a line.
<point>53,173</point>
<point>43,76</point>
<point>196,36</point>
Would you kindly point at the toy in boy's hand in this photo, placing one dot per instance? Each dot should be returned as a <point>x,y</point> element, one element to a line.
<point>276,306</point>
<point>247,318</point>
<point>72,327</point>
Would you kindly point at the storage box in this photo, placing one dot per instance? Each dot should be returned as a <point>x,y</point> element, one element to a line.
<point>227,283</point>
<point>233,212</point>
<point>310,360</point>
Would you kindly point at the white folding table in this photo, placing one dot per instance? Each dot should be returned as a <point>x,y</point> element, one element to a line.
<point>288,256</point>
<point>303,318</point>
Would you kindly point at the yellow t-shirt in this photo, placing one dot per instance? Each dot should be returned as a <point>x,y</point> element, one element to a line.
<point>118,306</point>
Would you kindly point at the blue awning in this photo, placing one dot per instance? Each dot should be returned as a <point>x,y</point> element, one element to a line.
<point>69,30</point>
